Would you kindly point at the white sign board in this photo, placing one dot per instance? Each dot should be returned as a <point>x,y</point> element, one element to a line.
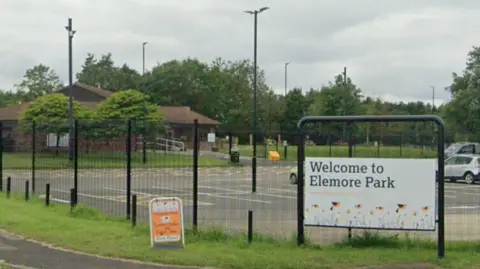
<point>211,137</point>
<point>396,194</point>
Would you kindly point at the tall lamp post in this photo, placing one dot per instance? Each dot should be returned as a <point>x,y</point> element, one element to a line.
<point>286,77</point>
<point>433,99</point>
<point>254,111</point>
<point>144,142</point>
<point>345,99</point>
<point>71,32</point>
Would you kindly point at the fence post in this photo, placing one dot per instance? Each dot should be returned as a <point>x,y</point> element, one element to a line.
<point>144,142</point>
<point>350,155</point>
<point>9,186</point>
<point>27,190</point>
<point>134,210</point>
<point>329,145</point>
<point>1,156</point>
<point>47,194</point>
<point>75,161</point>
<point>230,142</point>
<point>128,152</point>
<point>250,226</point>
<point>72,197</point>
<point>300,190</point>
<point>34,143</point>
<point>401,143</point>
<point>195,173</point>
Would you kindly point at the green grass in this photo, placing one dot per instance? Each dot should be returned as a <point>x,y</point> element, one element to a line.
<point>106,160</point>
<point>341,151</point>
<point>89,231</point>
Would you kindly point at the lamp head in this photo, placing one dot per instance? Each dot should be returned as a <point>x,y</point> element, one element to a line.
<point>263,9</point>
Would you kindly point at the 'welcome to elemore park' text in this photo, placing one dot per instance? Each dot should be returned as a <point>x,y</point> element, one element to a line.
<point>364,176</point>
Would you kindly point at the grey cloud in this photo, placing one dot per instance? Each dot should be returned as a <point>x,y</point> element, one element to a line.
<point>318,37</point>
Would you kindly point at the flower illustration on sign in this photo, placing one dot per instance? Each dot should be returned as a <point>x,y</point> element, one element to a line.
<point>314,206</point>
<point>335,205</point>
<point>423,222</point>
<point>400,207</point>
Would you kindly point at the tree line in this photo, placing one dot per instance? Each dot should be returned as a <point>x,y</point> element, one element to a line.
<point>222,90</point>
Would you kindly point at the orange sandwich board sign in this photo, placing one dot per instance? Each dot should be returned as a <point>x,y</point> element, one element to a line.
<point>166,223</point>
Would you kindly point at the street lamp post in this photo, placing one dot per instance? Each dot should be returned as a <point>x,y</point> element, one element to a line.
<point>433,99</point>
<point>71,32</point>
<point>345,99</point>
<point>254,111</point>
<point>286,73</point>
<point>144,142</point>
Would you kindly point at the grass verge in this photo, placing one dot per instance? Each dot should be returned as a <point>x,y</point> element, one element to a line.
<point>341,151</point>
<point>87,230</point>
<point>107,160</point>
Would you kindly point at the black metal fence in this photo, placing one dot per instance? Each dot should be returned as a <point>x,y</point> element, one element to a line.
<point>112,162</point>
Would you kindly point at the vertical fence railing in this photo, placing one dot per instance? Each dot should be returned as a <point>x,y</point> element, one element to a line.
<point>128,152</point>
<point>195,173</point>
<point>75,161</point>
<point>1,156</point>
<point>34,142</point>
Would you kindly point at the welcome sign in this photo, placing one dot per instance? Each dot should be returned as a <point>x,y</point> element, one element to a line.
<point>394,194</point>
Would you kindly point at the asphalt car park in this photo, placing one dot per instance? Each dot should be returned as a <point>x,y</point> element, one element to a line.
<point>224,194</point>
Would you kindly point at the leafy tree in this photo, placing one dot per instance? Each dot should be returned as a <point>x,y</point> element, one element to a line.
<point>8,98</point>
<point>221,90</point>
<point>37,81</point>
<point>461,113</point>
<point>104,74</point>
<point>295,107</point>
<point>50,114</point>
<point>130,104</point>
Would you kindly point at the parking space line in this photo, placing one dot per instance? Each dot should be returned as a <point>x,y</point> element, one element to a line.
<point>232,197</point>
<point>464,207</point>
<point>55,199</point>
<point>273,189</point>
<point>154,195</point>
<point>229,191</point>
<point>84,194</point>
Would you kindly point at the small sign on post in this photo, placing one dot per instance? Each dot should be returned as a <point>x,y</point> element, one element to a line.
<point>166,223</point>
<point>211,138</point>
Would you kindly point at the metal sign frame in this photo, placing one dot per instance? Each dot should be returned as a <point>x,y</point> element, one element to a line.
<point>367,118</point>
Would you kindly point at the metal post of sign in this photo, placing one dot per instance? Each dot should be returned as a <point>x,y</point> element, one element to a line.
<point>300,191</point>
<point>385,118</point>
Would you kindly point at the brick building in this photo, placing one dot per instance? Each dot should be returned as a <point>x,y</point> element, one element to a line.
<point>179,118</point>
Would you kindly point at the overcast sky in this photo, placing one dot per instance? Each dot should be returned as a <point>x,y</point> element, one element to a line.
<point>392,49</point>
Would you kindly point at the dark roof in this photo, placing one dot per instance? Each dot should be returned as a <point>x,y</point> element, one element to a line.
<point>97,91</point>
<point>173,114</point>
<point>185,115</point>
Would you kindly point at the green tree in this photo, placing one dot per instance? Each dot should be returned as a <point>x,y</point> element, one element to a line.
<point>335,99</point>
<point>114,112</point>
<point>50,114</point>
<point>8,98</point>
<point>461,113</point>
<point>37,81</point>
<point>221,90</point>
<point>104,74</point>
<point>295,107</point>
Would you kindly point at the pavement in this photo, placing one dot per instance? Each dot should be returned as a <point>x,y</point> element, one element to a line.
<point>225,197</point>
<point>27,254</point>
